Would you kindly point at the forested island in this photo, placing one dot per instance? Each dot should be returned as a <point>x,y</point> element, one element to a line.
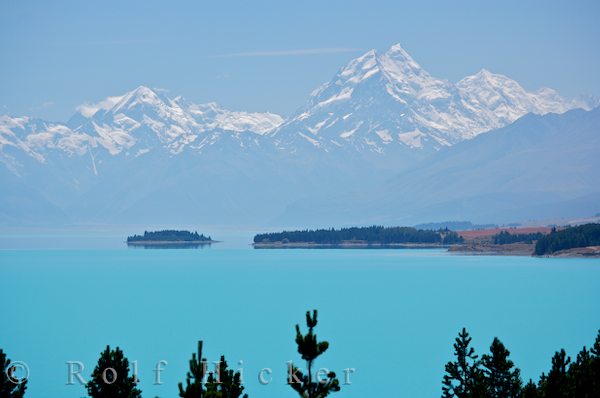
<point>168,237</point>
<point>357,237</point>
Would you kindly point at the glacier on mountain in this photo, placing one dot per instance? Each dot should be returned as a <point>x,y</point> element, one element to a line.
<point>392,93</point>
<point>377,103</point>
<point>142,118</point>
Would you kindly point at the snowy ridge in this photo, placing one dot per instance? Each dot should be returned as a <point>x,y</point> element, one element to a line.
<point>133,124</point>
<point>375,104</point>
<point>392,93</point>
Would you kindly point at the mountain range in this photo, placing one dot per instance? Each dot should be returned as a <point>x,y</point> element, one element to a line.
<point>382,132</point>
<point>384,102</point>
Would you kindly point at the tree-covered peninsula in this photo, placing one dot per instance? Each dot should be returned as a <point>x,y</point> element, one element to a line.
<point>581,236</point>
<point>357,237</point>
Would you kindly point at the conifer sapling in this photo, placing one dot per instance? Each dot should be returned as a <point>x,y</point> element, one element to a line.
<point>309,348</point>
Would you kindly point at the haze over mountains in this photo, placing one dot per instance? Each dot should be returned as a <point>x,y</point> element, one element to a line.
<point>537,168</point>
<point>383,141</point>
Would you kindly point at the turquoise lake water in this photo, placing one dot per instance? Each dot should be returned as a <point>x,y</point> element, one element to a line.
<point>392,315</point>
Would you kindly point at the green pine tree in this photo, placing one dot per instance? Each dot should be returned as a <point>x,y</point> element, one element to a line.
<point>463,378</point>
<point>530,390</point>
<point>110,378</point>
<point>479,386</point>
<point>584,373</point>
<point>8,387</point>
<point>556,384</point>
<point>309,348</point>
<point>195,377</point>
<point>502,379</point>
<point>581,376</point>
<point>223,383</point>
<point>595,365</point>
<point>228,383</point>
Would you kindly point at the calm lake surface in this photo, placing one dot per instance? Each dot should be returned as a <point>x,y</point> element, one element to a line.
<point>390,314</point>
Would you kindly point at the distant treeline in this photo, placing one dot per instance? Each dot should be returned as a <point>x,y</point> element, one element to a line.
<point>372,235</point>
<point>505,238</point>
<point>168,235</point>
<point>568,238</point>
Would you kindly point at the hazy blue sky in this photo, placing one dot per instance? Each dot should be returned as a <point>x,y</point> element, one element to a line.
<point>269,55</point>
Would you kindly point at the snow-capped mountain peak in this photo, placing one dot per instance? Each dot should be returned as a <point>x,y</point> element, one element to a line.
<point>142,95</point>
<point>358,69</point>
<point>396,63</point>
<point>485,74</point>
<point>399,63</point>
<point>133,124</point>
<point>407,78</point>
<point>485,79</point>
<point>504,100</point>
<point>375,104</point>
<point>384,102</point>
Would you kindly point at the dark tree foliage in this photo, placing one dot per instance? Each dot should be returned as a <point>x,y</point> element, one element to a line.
<point>8,387</point>
<point>530,390</point>
<point>568,238</point>
<point>450,237</point>
<point>223,383</point>
<point>556,384</point>
<point>373,235</point>
<point>309,348</point>
<point>228,383</point>
<point>595,366</point>
<point>169,236</point>
<point>195,376</point>
<point>499,377</point>
<point>505,238</point>
<point>582,377</point>
<point>579,380</point>
<point>110,378</point>
<point>503,380</point>
<point>463,376</point>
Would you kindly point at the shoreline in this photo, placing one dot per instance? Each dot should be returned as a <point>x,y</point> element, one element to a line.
<point>469,248</point>
<point>522,249</point>
<point>346,245</point>
<point>578,252</point>
<point>490,249</point>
